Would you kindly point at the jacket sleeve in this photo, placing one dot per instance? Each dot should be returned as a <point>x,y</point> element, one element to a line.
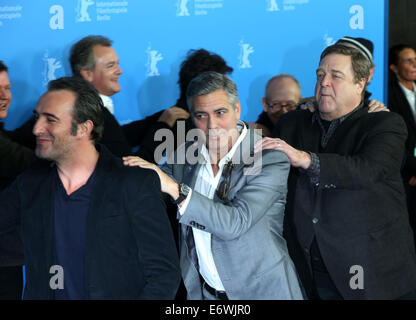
<point>149,144</point>
<point>11,246</point>
<point>14,158</point>
<point>24,134</point>
<point>136,130</point>
<point>154,238</point>
<point>379,157</point>
<point>230,220</point>
<point>141,134</point>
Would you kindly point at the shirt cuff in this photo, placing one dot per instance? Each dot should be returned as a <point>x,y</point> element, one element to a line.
<point>182,208</point>
<point>314,169</point>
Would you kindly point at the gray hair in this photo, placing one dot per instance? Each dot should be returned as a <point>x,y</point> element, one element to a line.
<point>208,82</point>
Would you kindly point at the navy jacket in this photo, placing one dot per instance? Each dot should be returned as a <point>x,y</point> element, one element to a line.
<point>130,250</point>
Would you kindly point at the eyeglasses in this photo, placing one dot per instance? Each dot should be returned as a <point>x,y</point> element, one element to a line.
<point>408,61</point>
<point>224,187</point>
<point>279,105</point>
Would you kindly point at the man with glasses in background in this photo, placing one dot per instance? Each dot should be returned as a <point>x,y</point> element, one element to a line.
<point>231,217</point>
<point>282,95</point>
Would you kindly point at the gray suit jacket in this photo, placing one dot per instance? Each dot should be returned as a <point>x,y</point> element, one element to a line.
<point>247,244</point>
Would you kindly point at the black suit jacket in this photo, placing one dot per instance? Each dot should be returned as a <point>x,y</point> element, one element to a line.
<point>357,212</point>
<point>14,158</point>
<point>398,103</point>
<point>130,251</point>
<point>141,133</point>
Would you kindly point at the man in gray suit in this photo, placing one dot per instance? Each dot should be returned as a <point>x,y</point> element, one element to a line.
<point>231,202</point>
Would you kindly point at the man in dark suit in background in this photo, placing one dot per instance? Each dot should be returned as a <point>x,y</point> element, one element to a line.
<point>94,59</point>
<point>346,219</point>
<point>402,99</point>
<point>77,246</point>
<point>282,95</point>
<point>14,158</point>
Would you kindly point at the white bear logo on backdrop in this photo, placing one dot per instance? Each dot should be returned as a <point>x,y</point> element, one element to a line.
<point>82,10</point>
<point>50,66</point>
<point>245,50</point>
<point>181,8</point>
<point>153,57</point>
<point>272,5</point>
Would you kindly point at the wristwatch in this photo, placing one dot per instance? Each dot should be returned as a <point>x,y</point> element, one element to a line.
<point>183,193</point>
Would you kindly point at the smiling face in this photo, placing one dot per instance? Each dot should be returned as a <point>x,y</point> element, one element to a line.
<point>105,75</point>
<point>336,92</point>
<point>5,94</point>
<point>55,139</point>
<point>215,116</point>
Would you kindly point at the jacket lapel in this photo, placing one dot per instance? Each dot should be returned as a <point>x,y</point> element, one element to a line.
<point>46,208</point>
<point>310,134</point>
<point>404,106</point>
<point>103,178</point>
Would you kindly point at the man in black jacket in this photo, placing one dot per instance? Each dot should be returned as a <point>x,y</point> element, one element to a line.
<point>91,228</point>
<point>402,99</point>
<point>14,158</point>
<point>346,221</point>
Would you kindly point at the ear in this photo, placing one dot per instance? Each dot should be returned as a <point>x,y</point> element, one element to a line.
<point>371,74</point>
<point>393,68</point>
<point>361,85</point>
<point>263,101</point>
<point>87,75</point>
<point>238,110</point>
<point>85,128</point>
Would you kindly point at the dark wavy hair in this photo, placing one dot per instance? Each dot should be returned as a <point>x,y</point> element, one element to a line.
<point>197,62</point>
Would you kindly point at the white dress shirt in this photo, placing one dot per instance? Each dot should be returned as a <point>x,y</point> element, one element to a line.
<point>206,184</point>
<point>108,103</point>
<point>411,98</point>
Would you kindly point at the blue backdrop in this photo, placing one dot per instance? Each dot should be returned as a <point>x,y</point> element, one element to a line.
<point>258,38</point>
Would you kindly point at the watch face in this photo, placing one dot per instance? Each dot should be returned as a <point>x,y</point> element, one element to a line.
<point>184,189</point>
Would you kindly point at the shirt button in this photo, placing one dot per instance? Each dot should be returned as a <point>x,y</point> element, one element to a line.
<point>315,220</point>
